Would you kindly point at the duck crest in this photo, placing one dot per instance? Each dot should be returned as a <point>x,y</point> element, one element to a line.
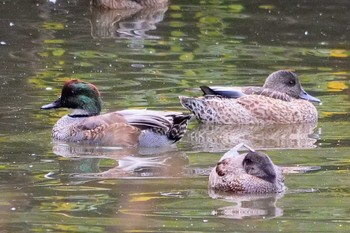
<point>70,85</point>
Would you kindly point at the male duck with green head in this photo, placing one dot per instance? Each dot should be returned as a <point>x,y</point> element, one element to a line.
<point>128,128</point>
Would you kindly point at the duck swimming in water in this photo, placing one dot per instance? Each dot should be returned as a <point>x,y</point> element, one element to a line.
<point>252,172</point>
<point>281,100</point>
<point>128,128</point>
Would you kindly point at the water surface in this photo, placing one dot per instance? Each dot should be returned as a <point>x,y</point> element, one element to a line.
<point>147,59</point>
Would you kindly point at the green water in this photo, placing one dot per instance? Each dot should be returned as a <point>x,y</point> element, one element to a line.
<point>146,60</point>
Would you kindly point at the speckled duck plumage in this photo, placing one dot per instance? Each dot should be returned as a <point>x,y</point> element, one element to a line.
<point>281,100</point>
<point>251,172</point>
<point>128,4</point>
<point>122,128</point>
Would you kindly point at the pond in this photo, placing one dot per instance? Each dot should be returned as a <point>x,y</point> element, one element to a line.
<point>147,59</point>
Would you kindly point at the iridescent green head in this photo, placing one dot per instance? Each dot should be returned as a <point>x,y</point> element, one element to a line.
<point>78,95</point>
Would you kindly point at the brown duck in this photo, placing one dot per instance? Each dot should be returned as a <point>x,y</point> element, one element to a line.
<point>252,172</point>
<point>129,4</point>
<point>281,100</point>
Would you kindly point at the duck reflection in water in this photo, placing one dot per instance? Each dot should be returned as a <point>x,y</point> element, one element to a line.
<point>218,138</point>
<point>81,161</point>
<point>126,23</point>
<point>248,206</point>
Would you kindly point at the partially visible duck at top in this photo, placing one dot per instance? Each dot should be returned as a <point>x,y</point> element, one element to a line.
<point>128,4</point>
<point>281,100</point>
<point>128,128</point>
<point>252,172</point>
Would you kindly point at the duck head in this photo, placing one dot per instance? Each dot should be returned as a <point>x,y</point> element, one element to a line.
<point>260,165</point>
<point>82,97</point>
<point>287,82</point>
<point>254,163</point>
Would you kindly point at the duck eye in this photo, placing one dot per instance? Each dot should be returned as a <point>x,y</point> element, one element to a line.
<point>291,82</point>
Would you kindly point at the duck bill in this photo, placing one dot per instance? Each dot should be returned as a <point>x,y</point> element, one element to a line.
<point>55,104</point>
<point>304,95</point>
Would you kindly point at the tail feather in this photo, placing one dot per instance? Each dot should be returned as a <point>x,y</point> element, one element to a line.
<point>207,90</point>
<point>179,127</point>
<point>158,128</point>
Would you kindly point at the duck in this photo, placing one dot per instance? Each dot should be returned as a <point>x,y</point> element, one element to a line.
<point>281,100</point>
<point>247,173</point>
<point>128,4</point>
<point>128,128</point>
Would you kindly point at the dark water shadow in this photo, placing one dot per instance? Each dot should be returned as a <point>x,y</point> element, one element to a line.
<point>130,23</point>
<point>218,138</point>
